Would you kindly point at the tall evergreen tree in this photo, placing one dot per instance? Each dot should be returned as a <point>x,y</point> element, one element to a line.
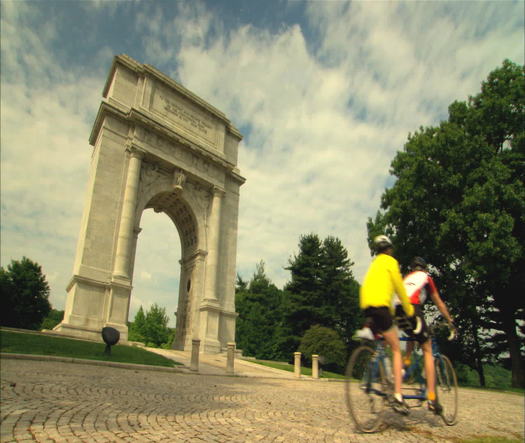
<point>259,306</point>
<point>136,328</point>
<point>322,290</point>
<point>340,289</point>
<point>305,289</point>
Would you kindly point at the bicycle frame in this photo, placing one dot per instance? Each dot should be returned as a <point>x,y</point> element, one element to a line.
<point>370,365</point>
<point>380,356</point>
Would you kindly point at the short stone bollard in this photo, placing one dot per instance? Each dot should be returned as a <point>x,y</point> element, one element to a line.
<point>230,358</point>
<point>195,346</point>
<point>297,364</point>
<point>315,366</point>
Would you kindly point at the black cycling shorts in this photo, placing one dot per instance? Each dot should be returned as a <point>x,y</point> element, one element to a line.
<point>406,326</point>
<point>378,319</point>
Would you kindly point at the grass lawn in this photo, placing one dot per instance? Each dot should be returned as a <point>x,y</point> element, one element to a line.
<point>290,368</point>
<point>39,344</point>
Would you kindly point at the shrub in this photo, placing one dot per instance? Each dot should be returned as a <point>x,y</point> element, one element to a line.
<point>53,318</point>
<point>327,344</point>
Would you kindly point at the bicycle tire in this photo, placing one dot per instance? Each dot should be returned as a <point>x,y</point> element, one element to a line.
<point>446,389</point>
<point>362,373</point>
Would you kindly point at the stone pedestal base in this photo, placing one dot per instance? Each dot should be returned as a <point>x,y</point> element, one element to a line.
<point>93,304</point>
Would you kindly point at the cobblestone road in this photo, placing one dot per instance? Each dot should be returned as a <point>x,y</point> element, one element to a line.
<point>51,401</point>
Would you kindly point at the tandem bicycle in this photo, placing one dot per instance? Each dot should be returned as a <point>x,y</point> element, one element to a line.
<point>369,383</point>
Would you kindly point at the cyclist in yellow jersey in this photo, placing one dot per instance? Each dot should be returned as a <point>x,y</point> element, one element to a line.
<point>382,279</point>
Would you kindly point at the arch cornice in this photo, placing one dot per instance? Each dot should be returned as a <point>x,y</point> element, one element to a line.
<point>151,71</point>
<point>158,140</point>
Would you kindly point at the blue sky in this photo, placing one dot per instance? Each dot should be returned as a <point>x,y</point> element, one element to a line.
<point>325,93</point>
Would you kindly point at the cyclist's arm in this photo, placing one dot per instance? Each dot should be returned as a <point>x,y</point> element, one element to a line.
<point>399,287</point>
<point>434,294</point>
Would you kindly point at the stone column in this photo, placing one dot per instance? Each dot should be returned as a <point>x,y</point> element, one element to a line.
<point>127,218</point>
<point>230,358</point>
<point>195,346</point>
<point>315,366</point>
<point>212,260</point>
<point>297,364</point>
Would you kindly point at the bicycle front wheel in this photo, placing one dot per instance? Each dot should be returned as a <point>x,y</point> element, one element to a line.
<point>364,389</point>
<point>447,389</point>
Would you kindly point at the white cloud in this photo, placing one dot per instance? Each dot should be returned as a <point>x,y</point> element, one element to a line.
<point>45,154</point>
<point>146,276</point>
<point>313,163</point>
<point>326,105</point>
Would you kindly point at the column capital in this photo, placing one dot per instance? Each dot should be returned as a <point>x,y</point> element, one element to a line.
<point>199,254</point>
<point>135,152</point>
<point>217,192</point>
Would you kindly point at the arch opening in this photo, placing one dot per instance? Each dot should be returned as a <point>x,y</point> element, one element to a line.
<point>156,273</point>
<point>182,216</point>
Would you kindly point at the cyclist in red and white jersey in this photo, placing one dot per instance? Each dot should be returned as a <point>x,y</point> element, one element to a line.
<point>419,286</point>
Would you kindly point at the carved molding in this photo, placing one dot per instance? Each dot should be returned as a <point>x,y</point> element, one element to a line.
<point>151,175</point>
<point>178,153</point>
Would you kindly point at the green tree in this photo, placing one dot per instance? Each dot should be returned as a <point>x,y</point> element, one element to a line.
<point>53,318</point>
<point>137,327</point>
<point>459,200</point>
<point>169,341</point>
<point>340,289</point>
<point>304,300</point>
<point>151,327</point>
<point>322,290</point>
<point>24,294</point>
<point>259,306</point>
<point>326,343</point>
<point>155,329</point>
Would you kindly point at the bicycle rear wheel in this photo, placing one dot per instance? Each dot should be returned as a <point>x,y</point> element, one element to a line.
<point>447,389</point>
<point>365,382</point>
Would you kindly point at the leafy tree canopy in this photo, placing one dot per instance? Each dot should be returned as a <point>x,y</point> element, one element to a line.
<point>24,295</point>
<point>459,201</point>
<point>151,327</point>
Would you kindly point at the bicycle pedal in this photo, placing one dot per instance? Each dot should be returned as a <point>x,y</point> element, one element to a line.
<point>435,407</point>
<point>401,409</point>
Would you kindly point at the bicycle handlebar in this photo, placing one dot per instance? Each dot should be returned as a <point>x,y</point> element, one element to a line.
<point>452,329</point>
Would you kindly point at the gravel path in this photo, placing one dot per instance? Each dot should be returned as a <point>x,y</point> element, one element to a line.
<point>55,401</point>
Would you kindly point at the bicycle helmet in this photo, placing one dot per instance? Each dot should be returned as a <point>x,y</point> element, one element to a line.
<point>418,262</point>
<point>381,243</point>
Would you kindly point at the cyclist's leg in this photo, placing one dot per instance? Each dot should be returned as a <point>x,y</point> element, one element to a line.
<point>429,369</point>
<point>408,352</point>
<point>392,338</point>
<point>405,325</point>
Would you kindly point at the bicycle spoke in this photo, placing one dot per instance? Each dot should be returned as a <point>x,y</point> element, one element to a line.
<point>364,384</point>
<point>447,389</point>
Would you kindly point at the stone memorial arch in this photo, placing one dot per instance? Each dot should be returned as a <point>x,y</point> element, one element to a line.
<point>157,145</point>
